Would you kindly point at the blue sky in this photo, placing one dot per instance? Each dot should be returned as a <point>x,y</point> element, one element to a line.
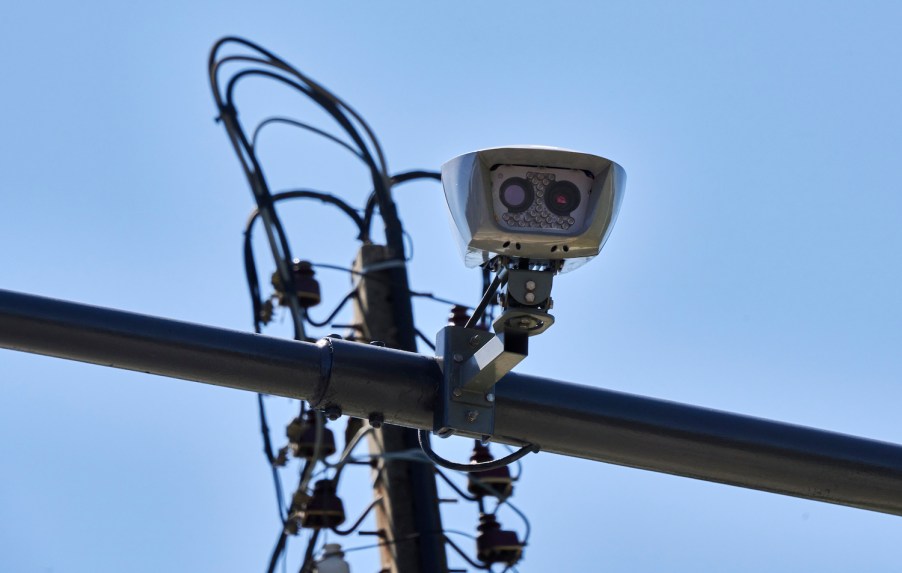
<point>755,265</point>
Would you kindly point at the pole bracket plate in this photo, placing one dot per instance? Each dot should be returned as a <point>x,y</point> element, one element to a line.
<point>472,361</point>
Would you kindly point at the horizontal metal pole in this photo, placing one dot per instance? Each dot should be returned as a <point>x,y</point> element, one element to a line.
<point>563,418</point>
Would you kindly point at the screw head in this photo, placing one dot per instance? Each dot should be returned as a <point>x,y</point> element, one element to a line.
<point>530,285</point>
<point>489,397</point>
<point>458,357</point>
<point>472,415</point>
<point>474,341</point>
<point>333,412</point>
<point>530,297</point>
<point>457,392</point>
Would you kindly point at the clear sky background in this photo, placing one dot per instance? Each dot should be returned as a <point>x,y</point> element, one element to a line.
<point>754,268</point>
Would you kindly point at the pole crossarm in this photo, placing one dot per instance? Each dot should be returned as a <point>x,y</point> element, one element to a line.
<point>559,417</point>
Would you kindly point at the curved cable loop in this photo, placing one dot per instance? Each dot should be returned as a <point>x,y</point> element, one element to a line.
<point>454,486</point>
<point>360,519</point>
<point>302,125</point>
<point>277,62</point>
<point>346,454</point>
<point>275,233</point>
<point>326,100</point>
<point>320,323</point>
<point>253,170</point>
<point>466,557</point>
<point>380,180</point>
<point>327,198</point>
<point>397,179</point>
<point>423,437</point>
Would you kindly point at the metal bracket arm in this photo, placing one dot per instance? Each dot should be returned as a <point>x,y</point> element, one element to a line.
<point>472,362</point>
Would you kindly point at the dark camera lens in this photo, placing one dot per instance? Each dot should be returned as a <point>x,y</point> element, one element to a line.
<point>562,198</point>
<point>516,194</point>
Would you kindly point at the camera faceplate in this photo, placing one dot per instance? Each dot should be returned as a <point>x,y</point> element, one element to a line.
<point>540,200</point>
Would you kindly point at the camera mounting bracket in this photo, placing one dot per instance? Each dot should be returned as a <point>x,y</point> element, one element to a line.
<point>473,360</point>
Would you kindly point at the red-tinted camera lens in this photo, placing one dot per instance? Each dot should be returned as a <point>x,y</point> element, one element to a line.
<point>562,198</point>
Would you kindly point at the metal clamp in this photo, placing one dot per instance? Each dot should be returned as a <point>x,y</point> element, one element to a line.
<point>472,361</point>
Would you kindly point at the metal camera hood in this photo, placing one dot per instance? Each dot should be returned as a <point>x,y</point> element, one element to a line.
<point>468,184</point>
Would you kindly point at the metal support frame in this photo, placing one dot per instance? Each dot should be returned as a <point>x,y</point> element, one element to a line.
<point>563,418</point>
<point>472,361</point>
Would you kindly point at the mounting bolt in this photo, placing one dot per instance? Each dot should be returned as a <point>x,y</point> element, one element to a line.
<point>457,392</point>
<point>377,343</point>
<point>530,285</point>
<point>474,341</point>
<point>376,419</point>
<point>472,415</point>
<point>458,357</point>
<point>332,412</point>
<point>489,397</point>
<point>530,297</point>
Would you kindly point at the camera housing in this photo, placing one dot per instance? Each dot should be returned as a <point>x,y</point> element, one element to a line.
<point>541,203</point>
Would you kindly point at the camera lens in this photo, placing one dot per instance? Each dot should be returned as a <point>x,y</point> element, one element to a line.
<point>562,198</point>
<point>516,194</point>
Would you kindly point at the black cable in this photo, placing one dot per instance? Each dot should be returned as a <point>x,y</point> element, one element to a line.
<point>426,340</point>
<point>410,537</point>
<point>302,125</point>
<point>277,551</point>
<point>277,62</point>
<point>267,449</point>
<point>327,198</point>
<point>465,556</point>
<point>454,486</point>
<point>372,276</point>
<point>249,259</point>
<point>500,279</point>
<point>378,176</point>
<point>264,199</point>
<point>275,232</point>
<point>328,101</point>
<point>360,519</point>
<point>335,311</point>
<point>369,210</point>
<point>423,437</point>
<point>307,563</point>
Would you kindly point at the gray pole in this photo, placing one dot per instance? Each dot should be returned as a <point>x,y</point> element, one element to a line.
<point>562,418</point>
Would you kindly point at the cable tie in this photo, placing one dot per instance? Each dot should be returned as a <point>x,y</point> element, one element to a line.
<point>383,265</point>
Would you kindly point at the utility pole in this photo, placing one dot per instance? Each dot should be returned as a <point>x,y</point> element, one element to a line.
<point>408,516</point>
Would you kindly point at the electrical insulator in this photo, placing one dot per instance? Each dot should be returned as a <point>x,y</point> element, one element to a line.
<point>324,509</point>
<point>301,433</point>
<point>459,315</point>
<point>332,560</point>
<point>494,545</point>
<point>495,482</point>
<point>306,287</point>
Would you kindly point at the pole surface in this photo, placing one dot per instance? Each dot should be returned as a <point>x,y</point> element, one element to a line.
<point>408,515</point>
<point>562,418</point>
